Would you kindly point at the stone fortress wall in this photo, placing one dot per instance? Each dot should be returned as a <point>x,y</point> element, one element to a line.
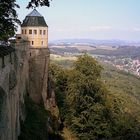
<point>13,87</point>
<point>38,70</point>
<point>22,70</point>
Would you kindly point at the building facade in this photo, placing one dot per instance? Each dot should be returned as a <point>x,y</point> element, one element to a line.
<point>35,30</point>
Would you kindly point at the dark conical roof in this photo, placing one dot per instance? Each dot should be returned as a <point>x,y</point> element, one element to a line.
<point>34,13</point>
<point>34,19</point>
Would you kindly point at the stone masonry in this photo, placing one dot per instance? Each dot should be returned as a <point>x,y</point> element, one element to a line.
<point>13,87</point>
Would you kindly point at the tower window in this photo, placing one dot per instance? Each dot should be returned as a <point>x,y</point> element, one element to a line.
<point>32,42</point>
<point>35,32</point>
<point>44,32</point>
<point>40,32</point>
<point>42,43</point>
<point>30,31</point>
<point>25,31</point>
<point>22,31</point>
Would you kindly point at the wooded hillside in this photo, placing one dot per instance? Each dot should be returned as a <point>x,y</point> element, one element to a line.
<point>97,105</point>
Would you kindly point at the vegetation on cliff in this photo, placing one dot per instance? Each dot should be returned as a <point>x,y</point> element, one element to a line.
<point>39,123</point>
<point>90,108</point>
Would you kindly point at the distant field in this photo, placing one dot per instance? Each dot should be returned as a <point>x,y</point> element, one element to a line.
<point>118,51</point>
<point>84,47</point>
<point>58,46</point>
<point>106,47</point>
<point>63,60</point>
<point>62,57</point>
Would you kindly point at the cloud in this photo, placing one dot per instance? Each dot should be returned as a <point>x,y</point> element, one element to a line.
<point>136,29</point>
<point>100,28</point>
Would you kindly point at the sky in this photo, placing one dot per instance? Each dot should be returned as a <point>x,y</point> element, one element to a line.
<point>89,19</point>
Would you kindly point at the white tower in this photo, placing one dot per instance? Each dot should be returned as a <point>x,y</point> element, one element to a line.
<point>35,29</point>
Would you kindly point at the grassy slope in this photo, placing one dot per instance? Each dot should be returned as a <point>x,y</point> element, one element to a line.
<point>125,87</point>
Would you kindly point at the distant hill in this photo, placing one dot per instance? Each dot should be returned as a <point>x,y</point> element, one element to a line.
<point>118,51</point>
<point>96,42</point>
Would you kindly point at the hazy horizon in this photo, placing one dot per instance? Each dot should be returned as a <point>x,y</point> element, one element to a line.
<point>93,19</point>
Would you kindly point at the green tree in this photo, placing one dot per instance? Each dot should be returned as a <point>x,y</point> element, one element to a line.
<point>90,110</point>
<point>8,18</point>
<point>36,3</point>
<point>85,96</point>
<point>58,78</point>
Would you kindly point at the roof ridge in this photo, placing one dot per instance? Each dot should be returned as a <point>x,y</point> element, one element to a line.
<point>34,13</point>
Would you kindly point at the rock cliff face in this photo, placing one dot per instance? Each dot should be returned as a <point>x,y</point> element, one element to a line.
<point>22,70</point>
<point>38,70</point>
<point>13,87</point>
<point>39,86</point>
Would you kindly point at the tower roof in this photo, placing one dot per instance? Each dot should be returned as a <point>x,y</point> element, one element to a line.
<point>34,13</point>
<point>34,19</point>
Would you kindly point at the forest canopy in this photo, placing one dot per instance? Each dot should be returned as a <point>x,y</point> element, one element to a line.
<point>86,105</point>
